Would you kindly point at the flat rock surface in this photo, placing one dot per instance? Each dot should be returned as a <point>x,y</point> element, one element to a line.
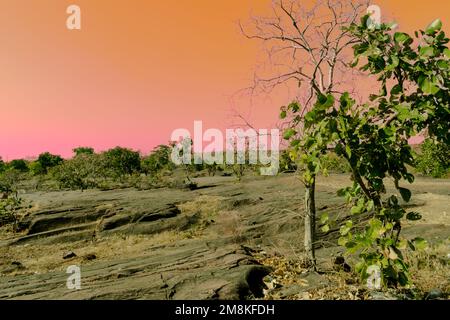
<point>175,244</point>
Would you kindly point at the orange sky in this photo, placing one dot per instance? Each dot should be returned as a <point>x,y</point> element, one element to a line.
<point>137,70</point>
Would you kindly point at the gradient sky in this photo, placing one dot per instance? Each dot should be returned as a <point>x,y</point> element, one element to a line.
<point>136,71</point>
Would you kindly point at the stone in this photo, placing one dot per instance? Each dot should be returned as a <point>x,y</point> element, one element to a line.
<point>69,255</point>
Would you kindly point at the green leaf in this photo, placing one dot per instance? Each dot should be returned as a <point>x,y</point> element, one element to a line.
<point>396,89</point>
<point>346,228</point>
<point>428,86</point>
<point>324,218</point>
<point>447,53</point>
<point>348,150</point>
<point>405,193</point>
<point>442,65</point>
<point>436,25</point>
<point>294,106</point>
<point>283,114</point>
<point>326,228</point>
<point>289,133</point>
<point>342,241</point>
<point>400,37</point>
<point>427,51</point>
<point>413,216</point>
<point>395,62</point>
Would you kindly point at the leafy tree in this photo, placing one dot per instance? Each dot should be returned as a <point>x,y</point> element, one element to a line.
<point>81,172</point>
<point>434,159</point>
<point>9,209</point>
<point>83,150</point>
<point>122,161</point>
<point>19,165</point>
<point>36,168</point>
<point>9,181</point>
<point>48,160</point>
<point>2,165</point>
<point>158,160</point>
<point>308,52</point>
<point>373,137</point>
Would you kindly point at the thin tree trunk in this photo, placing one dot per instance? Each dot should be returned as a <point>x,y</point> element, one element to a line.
<point>310,222</point>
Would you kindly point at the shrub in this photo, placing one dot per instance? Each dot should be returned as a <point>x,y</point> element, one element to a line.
<point>83,150</point>
<point>36,168</point>
<point>9,181</point>
<point>48,160</point>
<point>19,165</point>
<point>2,165</point>
<point>158,160</point>
<point>122,161</point>
<point>434,159</point>
<point>331,162</point>
<point>9,209</point>
<point>82,172</point>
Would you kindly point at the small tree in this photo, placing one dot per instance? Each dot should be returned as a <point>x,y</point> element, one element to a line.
<point>9,209</point>
<point>83,150</point>
<point>81,172</point>
<point>122,161</point>
<point>158,160</point>
<point>2,166</point>
<point>433,159</point>
<point>19,165</point>
<point>307,46</point>
<point>48,160</point>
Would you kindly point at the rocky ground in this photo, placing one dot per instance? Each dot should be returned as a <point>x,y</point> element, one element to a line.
<point>224,240</point>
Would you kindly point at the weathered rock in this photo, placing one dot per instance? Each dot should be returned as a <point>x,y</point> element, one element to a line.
<point>69,255</point>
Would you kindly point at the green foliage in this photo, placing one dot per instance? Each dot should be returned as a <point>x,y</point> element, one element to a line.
<point>36,168</point>
<point>158,160</point>
<point>374,139</point>
<point>122,161</point>
<point>9,209</point>
<point>48,160</point>
<point>286,161</point>
<point>331,162</point>
<point>434,159</point>
<point>9,181</point>
<point>19,165</point>
<point>82,172</point>
<point>83,150</point>
<point>2,165</point>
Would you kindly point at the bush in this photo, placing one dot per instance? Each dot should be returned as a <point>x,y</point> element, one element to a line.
<point>83,150</point>
<point>158,160</point>
<point>82,172</point>
<point>19,165</point>
<point>48,160</point>
<point>122,161</point>
<point>434,159</point>
<point>9,210</point>
<point>9,181</point>
<point>2,165</point>
<point>331,162</point>
<point>36,168</point>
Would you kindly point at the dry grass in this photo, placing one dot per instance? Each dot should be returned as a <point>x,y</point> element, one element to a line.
<point>44,258</point>
<point>206,209</point>
<point>430,269</point>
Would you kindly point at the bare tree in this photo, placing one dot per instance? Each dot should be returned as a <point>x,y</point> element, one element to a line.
<point>307,49</point>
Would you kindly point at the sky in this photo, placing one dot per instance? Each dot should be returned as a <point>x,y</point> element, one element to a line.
<point>137,70</point>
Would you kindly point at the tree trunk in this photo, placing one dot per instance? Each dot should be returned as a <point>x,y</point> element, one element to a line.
<point>310,222</point>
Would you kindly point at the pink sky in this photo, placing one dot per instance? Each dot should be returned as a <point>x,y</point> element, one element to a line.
<point>135,72</point>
